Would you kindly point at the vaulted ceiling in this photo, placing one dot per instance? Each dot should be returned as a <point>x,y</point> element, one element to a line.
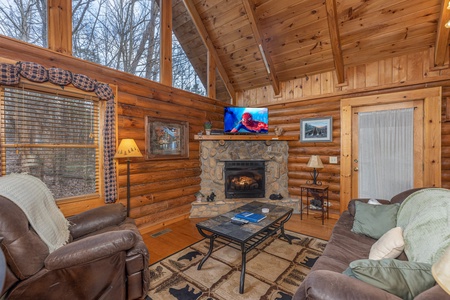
<point>304,37</point>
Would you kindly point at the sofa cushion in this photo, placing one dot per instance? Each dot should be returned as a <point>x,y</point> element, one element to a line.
<point>351,204</point>
<point>374,220</point>
<point>402,278</point>
<point>390,245</point>
<point>344,246</point>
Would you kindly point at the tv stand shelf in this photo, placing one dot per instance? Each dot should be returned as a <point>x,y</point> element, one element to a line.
<point>245,137</point>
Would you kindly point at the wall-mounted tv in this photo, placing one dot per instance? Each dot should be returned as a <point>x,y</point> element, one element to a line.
<point>246,120</point>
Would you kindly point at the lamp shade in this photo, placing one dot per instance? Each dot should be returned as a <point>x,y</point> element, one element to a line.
<point>315,162</point>
<point>441,271</point>
<point>128,148</point>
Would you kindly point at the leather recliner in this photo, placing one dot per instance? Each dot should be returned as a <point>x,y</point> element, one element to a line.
<point>105,258</point>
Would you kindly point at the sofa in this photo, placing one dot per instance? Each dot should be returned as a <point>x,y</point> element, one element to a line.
<point>104,256</point>
<point>331,276</point>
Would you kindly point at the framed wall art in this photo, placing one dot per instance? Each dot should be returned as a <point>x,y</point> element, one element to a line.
<point>166,139</point>
<point>316,129</point>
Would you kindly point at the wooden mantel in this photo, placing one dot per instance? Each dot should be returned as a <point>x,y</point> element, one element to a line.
<point>260,137</point>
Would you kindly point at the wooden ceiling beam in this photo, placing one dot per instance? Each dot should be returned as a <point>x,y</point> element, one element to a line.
<point>441,45</point>
<point>166,43</point>
<point>209,45</point>
<point>59,16</point>
<point>267,60</point>
<point>335,40</point>
<point>211,76</point>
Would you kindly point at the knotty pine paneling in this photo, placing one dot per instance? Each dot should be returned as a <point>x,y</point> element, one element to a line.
<point>160,190</point>
<point>402,70</point>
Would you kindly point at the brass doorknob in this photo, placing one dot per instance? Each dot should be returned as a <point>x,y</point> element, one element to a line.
<point>355,169</point>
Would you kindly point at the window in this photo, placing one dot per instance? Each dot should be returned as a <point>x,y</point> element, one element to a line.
<point>123,35</point>
<point>189,54</point>
<point>184,75</point>
<point>24,20</point>
<point>53,135</point>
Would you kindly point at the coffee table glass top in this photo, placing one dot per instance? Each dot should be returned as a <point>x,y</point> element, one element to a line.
<point>222,224</point>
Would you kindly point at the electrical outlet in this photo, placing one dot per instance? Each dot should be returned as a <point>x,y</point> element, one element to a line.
<point>333,159</point>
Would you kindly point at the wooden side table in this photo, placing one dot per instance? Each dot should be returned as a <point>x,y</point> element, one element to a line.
<point>319,192</point>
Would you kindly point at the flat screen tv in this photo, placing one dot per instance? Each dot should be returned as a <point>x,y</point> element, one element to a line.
<point>246,120</point>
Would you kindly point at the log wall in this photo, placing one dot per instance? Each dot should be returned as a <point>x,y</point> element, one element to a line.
<point>319,96</point>
<point>161,190</point>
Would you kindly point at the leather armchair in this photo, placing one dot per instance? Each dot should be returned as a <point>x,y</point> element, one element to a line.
<point>106,257</point>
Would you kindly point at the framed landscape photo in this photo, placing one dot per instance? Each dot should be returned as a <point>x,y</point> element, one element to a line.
<point>316,129</point>
<point>166,139</point>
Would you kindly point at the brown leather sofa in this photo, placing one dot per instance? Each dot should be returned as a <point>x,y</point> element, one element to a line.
<point>326,281</point>
<point>106,257</point>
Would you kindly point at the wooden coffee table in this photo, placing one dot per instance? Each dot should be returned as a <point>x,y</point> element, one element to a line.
<point>247,236</point>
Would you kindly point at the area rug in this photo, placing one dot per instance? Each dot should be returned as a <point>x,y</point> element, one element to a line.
<point>274,270</point>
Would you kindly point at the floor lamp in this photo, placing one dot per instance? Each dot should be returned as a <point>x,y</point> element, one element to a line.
<point>128,149</point>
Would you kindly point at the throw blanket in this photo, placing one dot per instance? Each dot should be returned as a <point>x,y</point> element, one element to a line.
<point>36,201</point>
<point>425,219</point>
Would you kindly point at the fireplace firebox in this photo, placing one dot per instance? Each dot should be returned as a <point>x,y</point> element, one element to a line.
<point>245,179</point>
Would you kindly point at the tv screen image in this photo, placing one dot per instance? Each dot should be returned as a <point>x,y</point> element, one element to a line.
<point>246,120</point>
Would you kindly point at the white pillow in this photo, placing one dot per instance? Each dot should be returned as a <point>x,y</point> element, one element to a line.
<point>390,245</point>
<point>373,201</point>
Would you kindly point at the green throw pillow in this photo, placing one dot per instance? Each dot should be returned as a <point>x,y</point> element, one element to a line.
<point>374,220</point>
<point>404,279</point>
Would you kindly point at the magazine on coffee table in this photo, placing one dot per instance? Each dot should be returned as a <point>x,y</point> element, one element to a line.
<point>251,217</point>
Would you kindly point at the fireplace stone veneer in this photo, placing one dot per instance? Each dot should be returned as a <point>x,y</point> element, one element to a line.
<point>214,154</point>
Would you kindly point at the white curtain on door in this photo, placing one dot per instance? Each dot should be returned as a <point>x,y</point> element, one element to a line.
<point>386,147</point>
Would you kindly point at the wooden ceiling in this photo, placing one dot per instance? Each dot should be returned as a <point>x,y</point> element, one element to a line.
<point>304,37</point>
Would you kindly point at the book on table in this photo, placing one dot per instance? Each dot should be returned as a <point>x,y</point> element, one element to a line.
<point>251,217</point>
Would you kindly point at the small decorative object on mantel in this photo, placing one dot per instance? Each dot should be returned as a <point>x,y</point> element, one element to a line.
<point>211,197</point>
<point>278,131</point>
<point>316,163</point>
<point>208,126</point>
<point>199,196</point>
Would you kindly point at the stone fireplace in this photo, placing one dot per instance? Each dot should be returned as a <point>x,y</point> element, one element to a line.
<point>216,154</point>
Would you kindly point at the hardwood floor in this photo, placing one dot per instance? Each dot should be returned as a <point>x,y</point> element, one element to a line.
<point>172,238</point>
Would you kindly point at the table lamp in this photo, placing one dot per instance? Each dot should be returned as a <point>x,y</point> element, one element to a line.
<point>441,271</point>
<point>128,149</point>
<point>316,163</point>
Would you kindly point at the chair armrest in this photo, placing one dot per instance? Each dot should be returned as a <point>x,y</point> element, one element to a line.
<point>324,284</point>
<point>96,219</point>
<point>90,249</point>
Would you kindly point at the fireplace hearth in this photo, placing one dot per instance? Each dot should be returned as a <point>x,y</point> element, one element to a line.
<point>245,179</point>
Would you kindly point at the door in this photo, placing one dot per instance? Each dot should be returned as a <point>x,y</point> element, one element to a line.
<point>427,158</point>
<point>383,148</point>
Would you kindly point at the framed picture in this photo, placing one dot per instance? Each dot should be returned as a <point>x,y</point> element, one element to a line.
<point>166,139</point>
<point>316,129</point>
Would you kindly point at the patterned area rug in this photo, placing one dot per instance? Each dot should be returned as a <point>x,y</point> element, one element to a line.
<point>274,270</point>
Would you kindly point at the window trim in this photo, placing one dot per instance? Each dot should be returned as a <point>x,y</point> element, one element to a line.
<point>70,90</point>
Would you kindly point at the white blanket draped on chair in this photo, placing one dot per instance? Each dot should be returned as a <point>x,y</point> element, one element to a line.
<point>38,204</point>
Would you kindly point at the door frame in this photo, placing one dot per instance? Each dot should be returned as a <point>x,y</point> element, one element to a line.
<point>432,107</point>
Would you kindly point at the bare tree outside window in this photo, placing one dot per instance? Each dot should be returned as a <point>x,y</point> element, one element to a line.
<point>25,20</point>
<point>184,75</point>
<point>120,34</point>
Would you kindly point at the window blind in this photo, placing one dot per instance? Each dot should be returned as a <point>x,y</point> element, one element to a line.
<point>52,136</point>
